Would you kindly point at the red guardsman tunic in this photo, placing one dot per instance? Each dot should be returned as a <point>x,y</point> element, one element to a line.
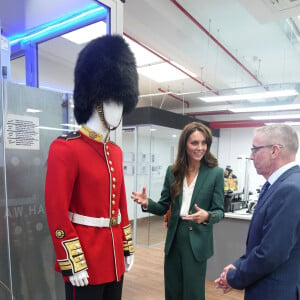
<point>85,176</point>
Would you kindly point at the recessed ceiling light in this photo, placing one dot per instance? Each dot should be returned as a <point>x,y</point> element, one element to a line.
<point>86,33</point>
<point>252,96</point>
<point>292,123</point>
<point>154,94</point>
<point>143,56</point>
<point>276,117</point>
<point>266,108</point>
<point>33,110</point>
<point>287,123</point>
<point>71,125</point>
<point>54,128</point>
<point>162,72</point>
<point>155,66</point>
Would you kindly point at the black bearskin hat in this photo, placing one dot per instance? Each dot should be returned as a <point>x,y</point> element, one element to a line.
<point>105,69</point>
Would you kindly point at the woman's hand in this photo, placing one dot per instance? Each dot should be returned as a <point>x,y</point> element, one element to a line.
<point>199,216</point>
<point>140,198</point>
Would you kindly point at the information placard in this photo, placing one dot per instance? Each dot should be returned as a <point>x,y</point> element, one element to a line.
<point>22,132</point>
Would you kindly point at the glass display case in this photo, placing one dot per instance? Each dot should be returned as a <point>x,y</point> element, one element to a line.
<point>148,150</point>
<point>31,118</point>
<point>5,270</point>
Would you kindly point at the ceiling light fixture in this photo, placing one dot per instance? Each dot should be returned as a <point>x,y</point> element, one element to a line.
<point>143,56</point>
<point>155,66</point>
<point>287,123</point>
<point>252,96</point>
<point>56,89</point>
<point>183,69</point>
<point>71,125</point>
<point>33,110</point>
<point>292,123</point>
<point>276,117</point>
<point>188,93</point>
<point>154,95</point>
<point>54,128</point>
<point>265,108</point>
<point>162,72</point>
<point>86,33</point>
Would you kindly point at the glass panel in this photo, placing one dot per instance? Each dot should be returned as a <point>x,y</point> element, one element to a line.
<point>148,151</point>
<point>5,282</point>
<point>57,58</point>
<point>143,179</point>
<point>163,151</point>
<point>129,168</point>
<point>30,114</point>
<point>18,70</point>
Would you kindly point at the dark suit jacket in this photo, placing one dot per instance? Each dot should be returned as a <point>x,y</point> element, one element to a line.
<point>208,194</point>
<point>270,268</point>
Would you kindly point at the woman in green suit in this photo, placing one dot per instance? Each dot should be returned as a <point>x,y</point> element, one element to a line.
<point>194,187</point>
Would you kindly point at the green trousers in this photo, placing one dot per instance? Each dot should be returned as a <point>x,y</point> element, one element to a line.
<point>184,276</point>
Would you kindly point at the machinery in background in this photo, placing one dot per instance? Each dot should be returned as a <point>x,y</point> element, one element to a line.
<point>234,201</point>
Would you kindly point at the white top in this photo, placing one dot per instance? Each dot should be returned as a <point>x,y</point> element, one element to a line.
<point>187,196</point>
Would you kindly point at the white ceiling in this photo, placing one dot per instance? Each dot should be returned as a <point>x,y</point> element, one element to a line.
<point>231,46</point>
<point>228,44</point>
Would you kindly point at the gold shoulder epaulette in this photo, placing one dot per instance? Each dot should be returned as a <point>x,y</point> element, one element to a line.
<point>70,136</point>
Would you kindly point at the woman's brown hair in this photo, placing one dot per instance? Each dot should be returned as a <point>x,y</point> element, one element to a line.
<point>180,166</point>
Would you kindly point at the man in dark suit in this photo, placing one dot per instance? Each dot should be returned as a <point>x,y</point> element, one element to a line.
<point>270,268</point>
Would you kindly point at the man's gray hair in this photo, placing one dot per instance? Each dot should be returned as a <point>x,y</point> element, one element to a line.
<point>280,134</point>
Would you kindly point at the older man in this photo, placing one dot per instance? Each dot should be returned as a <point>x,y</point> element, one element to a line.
<point>270,268</point>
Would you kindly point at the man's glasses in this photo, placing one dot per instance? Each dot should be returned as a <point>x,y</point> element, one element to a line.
<point>254,149</point>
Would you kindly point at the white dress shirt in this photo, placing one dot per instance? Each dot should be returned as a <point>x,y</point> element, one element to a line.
<point>187,196</point>
<point>280,171</point>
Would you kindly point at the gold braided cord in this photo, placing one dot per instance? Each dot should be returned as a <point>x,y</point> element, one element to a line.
<point>99,109</point>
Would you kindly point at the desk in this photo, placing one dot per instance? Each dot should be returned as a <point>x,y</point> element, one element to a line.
<point>241,214</point>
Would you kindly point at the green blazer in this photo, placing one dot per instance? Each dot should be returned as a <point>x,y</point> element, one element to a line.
<point>208,194</point>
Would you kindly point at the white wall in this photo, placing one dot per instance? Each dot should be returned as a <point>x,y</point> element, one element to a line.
<point>234,142</point>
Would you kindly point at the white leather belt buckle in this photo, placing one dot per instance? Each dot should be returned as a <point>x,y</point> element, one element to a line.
<point>94,222</point>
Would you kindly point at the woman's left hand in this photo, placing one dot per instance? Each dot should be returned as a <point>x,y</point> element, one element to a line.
<point>198,217</point>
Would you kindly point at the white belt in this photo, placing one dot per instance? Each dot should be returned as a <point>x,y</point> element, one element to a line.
<point>94,222</point>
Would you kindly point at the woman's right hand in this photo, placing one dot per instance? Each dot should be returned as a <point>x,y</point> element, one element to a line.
<point>140,197</point>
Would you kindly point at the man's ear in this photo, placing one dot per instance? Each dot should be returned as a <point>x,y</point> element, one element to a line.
<point>275,150</point>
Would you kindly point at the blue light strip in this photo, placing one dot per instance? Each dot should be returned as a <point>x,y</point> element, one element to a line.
<point>61,25</point>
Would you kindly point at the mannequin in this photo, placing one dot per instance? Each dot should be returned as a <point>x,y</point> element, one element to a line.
<point>112,112</point>
<point>85,193</point>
